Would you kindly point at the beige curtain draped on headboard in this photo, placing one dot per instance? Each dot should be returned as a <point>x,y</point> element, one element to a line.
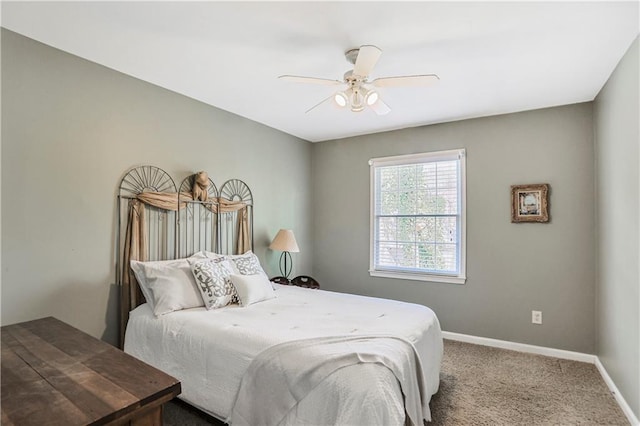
<point>222,205</point>
<point>244,239</point>
<point>165,200</point>
<point>136,244</point>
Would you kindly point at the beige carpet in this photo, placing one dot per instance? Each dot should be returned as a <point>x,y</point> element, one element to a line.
<point>487,386</point>
<point>480,385</point>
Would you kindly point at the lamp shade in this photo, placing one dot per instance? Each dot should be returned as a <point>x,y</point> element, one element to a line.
<point>285,241</point>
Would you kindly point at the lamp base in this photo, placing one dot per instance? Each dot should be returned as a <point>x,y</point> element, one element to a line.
<point>285,270</point>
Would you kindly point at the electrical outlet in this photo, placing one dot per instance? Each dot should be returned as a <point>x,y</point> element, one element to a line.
<point>536,317</point>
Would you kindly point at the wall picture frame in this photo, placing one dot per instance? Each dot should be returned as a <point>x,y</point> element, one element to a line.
<point>530,203</point>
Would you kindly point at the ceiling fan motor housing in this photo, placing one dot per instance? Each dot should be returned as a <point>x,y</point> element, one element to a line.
<point>353,80</point>
<point>352,55</point>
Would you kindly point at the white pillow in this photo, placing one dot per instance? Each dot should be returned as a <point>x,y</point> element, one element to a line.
<point>168,285</point>
<point>212,278</point>
<point>138,271</point>
<point>212,255</point>
<point>252,288</point>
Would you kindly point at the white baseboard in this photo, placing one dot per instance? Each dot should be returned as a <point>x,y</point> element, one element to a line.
<point>557,353</point>
<point>616,394</point>
<point>521,347</point>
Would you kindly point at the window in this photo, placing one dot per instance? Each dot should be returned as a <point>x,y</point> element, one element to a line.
<point>418,216</point>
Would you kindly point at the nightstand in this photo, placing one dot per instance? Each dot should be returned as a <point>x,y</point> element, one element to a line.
<point>280,280</point>
<point>300,281</point>
<point>305,281</point>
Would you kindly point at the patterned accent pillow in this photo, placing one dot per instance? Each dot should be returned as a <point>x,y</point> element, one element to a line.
<point>248,265</point>
<point>242,264</point>
<point>214,283</point>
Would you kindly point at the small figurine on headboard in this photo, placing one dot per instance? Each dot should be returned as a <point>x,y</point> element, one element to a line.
<point>200,187</point>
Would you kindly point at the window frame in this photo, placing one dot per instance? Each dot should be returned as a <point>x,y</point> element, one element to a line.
<point>421,158</point>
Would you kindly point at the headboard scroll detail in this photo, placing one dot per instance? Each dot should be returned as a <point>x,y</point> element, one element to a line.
<point>146,178</point>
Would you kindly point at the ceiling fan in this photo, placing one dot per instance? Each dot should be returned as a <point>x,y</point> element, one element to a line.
<point>359,92</point>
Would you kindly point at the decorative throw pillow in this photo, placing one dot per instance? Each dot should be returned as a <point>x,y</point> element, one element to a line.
<point>247,264</point>
<point>167,285</point>
<point>252,288</point>
<point>212,277</point>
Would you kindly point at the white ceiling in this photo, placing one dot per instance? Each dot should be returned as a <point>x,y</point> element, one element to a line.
<point>492,58</point>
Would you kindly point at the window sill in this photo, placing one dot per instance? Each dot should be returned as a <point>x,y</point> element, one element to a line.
<point>419,277</point>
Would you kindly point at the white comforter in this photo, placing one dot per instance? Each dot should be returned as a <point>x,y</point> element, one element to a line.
<point>209,351</point>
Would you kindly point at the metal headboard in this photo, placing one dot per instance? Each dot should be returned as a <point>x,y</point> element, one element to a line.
<point>173,235</point>
<point>160,223</point>
<point>197,224</point>
<point>233,190</point>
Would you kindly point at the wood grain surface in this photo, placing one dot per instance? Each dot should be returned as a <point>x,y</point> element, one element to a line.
<point>54,374</point>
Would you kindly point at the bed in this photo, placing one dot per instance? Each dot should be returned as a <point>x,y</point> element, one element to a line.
<point>264,362</point>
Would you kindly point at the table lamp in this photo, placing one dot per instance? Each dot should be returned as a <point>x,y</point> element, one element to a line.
<point>285,242</point>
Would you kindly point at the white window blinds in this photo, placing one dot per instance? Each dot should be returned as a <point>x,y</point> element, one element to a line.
<point>417,218</point>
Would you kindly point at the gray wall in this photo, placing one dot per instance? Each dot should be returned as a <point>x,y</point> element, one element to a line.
<point>70,130</point>
<point>512,269</point>
<point>617,134</point>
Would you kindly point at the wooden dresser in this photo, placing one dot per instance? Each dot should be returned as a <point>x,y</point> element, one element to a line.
<point>54,374</point>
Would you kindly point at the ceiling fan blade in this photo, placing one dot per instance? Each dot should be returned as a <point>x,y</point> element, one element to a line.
<point>311,80</point>
<point>406,81</point>
<point>380,107</point>
<point>367,58</point>
<point>330,98</point>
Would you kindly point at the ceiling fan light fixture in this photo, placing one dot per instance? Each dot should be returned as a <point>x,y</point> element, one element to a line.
<point>371,97</point>
<point>341,99</point>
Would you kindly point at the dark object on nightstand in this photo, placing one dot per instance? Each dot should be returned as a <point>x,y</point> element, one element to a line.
<point>305,281</point>
<point>281,280</point>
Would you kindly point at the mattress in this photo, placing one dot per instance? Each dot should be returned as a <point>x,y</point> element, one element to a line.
<point>209,351</point>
